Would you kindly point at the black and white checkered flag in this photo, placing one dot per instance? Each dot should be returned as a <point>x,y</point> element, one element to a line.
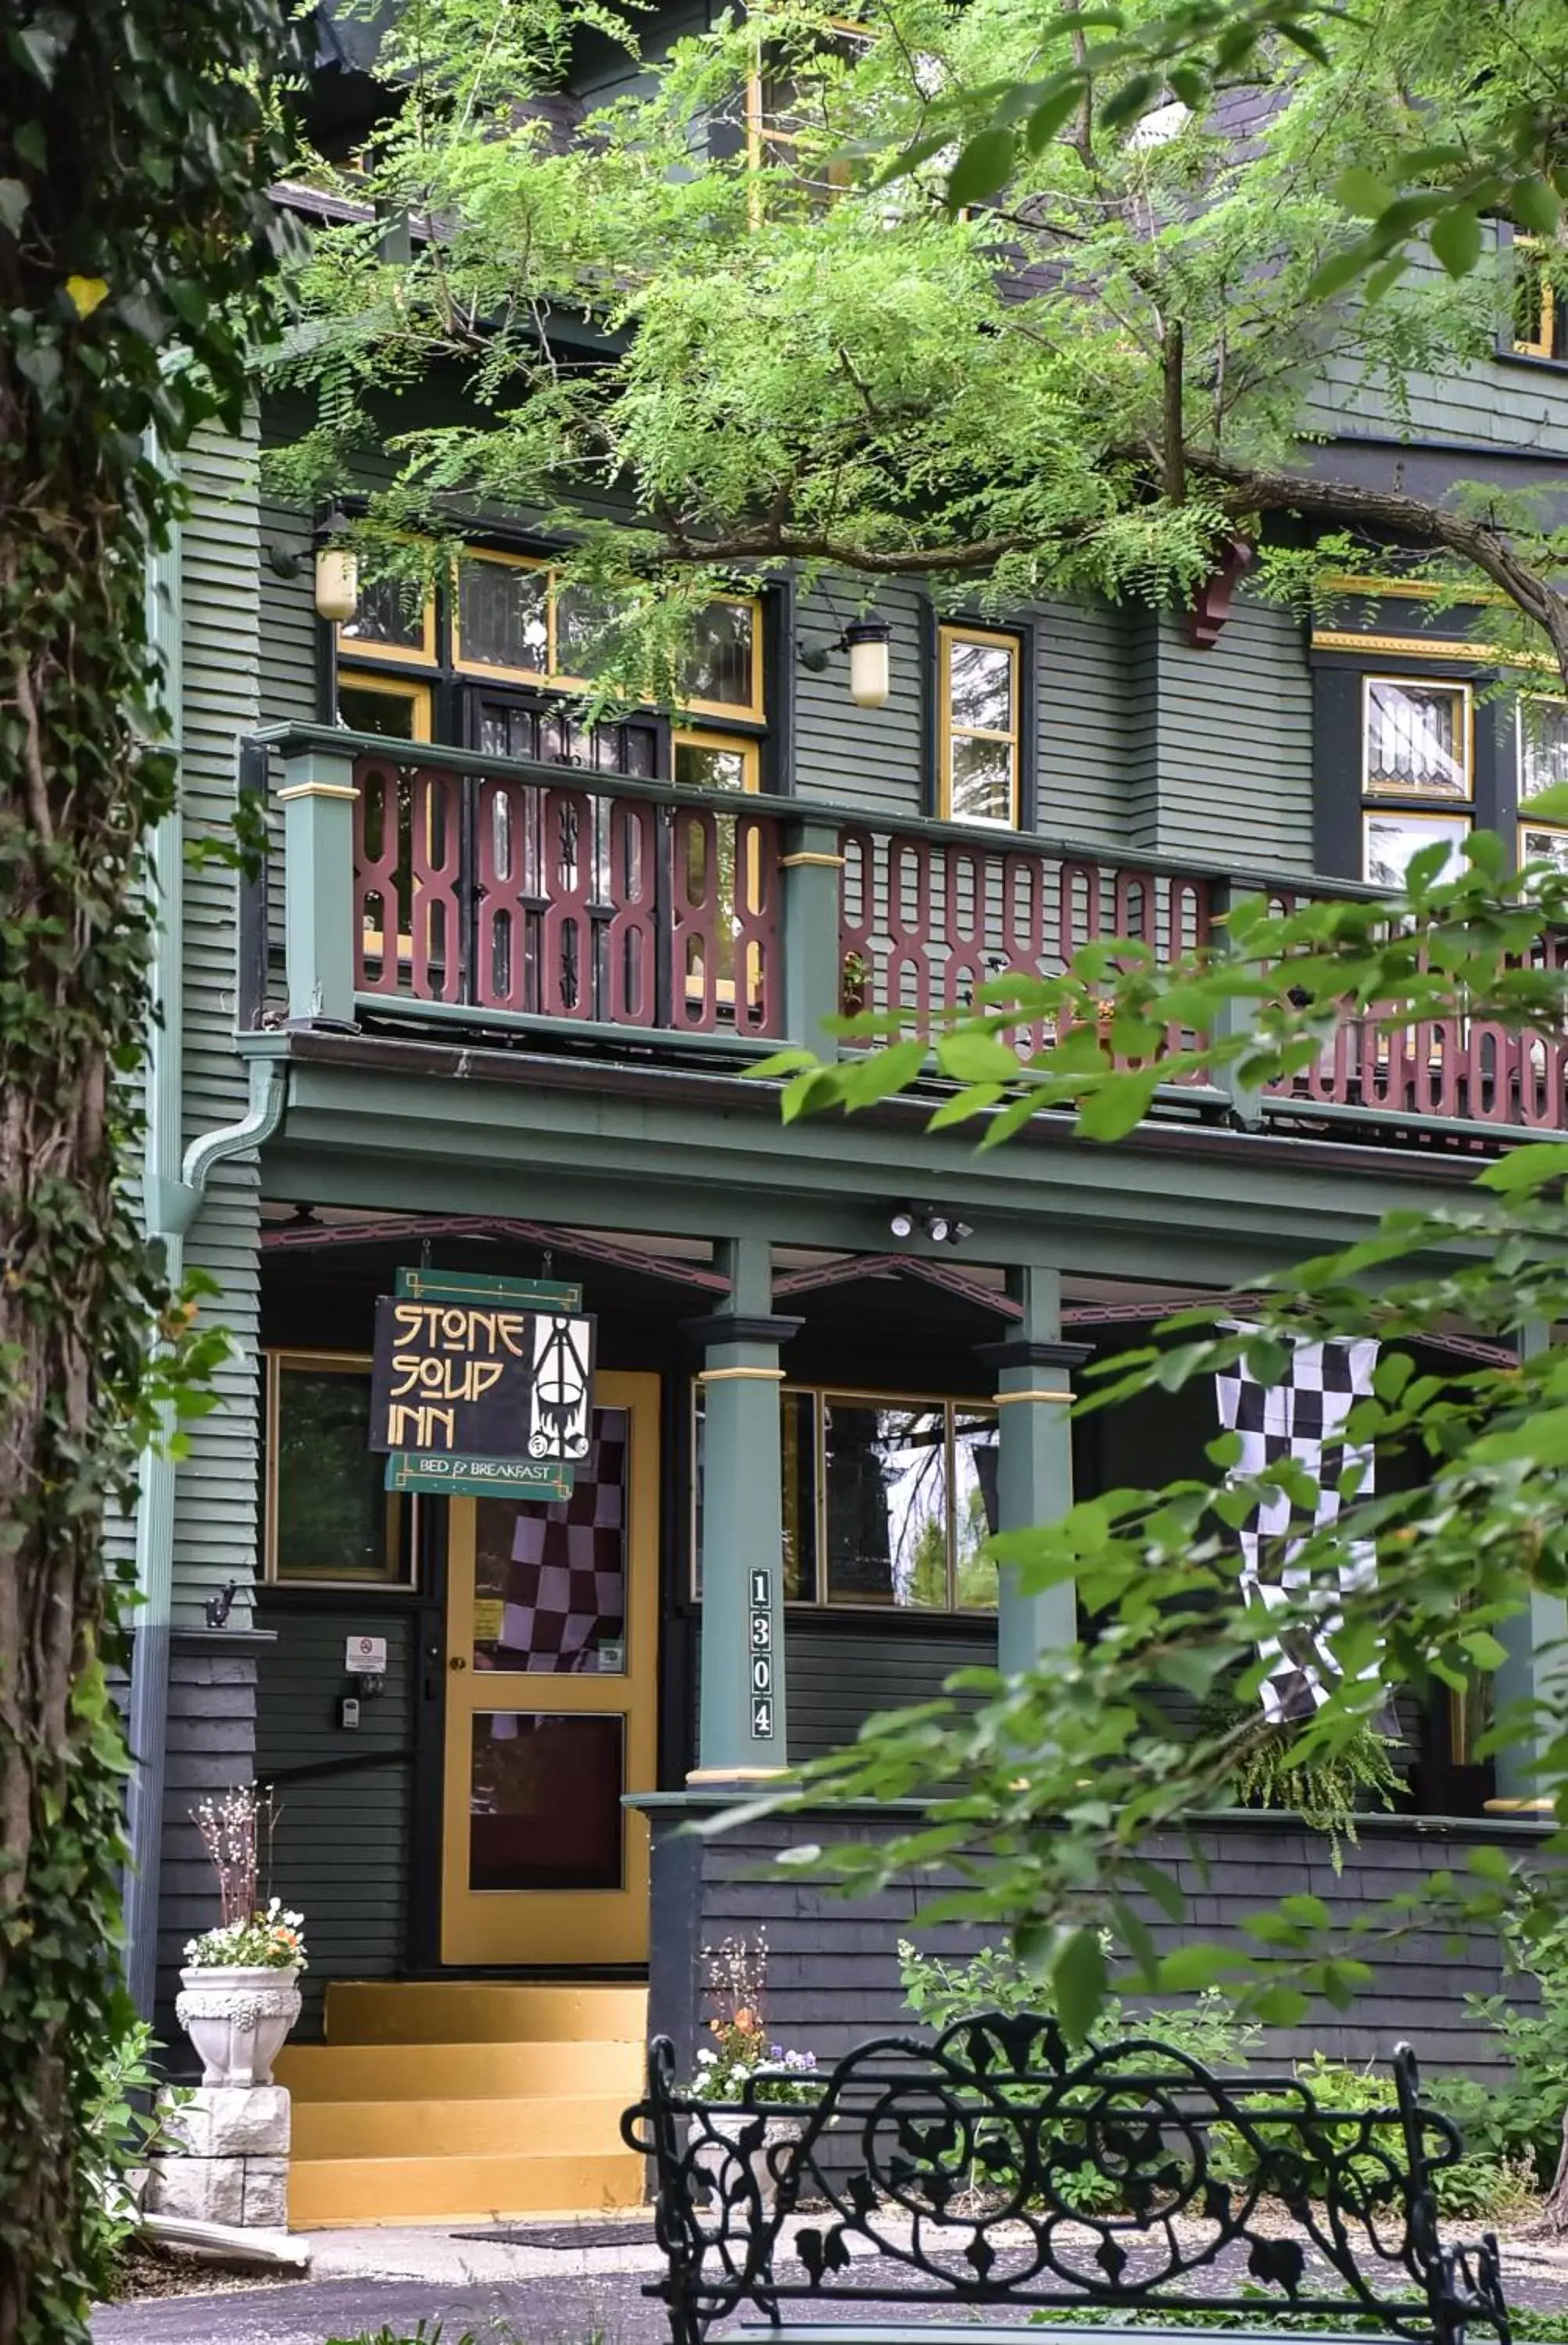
<point>1296,1419</point>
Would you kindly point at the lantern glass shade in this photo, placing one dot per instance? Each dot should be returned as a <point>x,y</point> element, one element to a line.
<point>337,584</point>
<point>870,678</point>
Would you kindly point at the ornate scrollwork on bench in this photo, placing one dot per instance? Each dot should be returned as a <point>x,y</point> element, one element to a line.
<point>996,2167</point>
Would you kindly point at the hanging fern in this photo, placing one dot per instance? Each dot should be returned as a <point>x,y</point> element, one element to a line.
<point>1325,1788</point>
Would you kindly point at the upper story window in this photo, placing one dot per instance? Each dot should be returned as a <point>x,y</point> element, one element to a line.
<point>788,106</point>
<point>978,727</point>
<point>498,647</point>
<point>1543,766</point>
<point>888,1500</point>
<point>1418,760</point>
<point>1539,310</point>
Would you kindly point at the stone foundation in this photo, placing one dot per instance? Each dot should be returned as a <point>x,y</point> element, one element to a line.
<point>224,2157</point>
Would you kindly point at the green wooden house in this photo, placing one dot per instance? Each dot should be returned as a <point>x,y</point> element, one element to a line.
<point>491,1012</point>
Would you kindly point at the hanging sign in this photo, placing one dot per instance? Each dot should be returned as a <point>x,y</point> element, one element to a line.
<point>481,1387</point>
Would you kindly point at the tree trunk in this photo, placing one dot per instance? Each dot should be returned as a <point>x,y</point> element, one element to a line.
<point>1553,2218</point>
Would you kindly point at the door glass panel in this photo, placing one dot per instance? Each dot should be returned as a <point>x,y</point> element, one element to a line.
<point>550,1582</point>
<point>545,1801</point>
<point>885,1472</point>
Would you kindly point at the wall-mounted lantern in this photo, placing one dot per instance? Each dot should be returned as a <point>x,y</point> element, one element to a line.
<point>336,569</point>
<point>870,669</point>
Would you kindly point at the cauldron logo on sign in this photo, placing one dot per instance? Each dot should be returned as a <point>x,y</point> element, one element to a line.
<point>558,1419</point>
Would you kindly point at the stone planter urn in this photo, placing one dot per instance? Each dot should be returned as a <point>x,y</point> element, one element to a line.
<point>237,2017</point>
<point>721,2161</point>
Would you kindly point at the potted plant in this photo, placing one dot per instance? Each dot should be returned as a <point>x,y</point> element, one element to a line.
<point>240,1988</point>
<point>748,2086</point>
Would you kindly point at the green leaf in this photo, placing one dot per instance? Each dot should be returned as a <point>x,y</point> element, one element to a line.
<point>1361,191</point>
<point>1282,2006</point>
<point>1535,205</point>
<point>1111,1112</point>
<point>1456,240</point>
<point>984,164</point>
<point>1543,1440</point>
<point>1529,1167</point>
<point>1341,269</point>
<point>971,1056</point>
<point>1484,1649</point>
<point>1308,1912</point>
<point>1156,1883</point>
<point>1131,99</point>
<point>1550,805</point>
<point>1187,1969</point>
<point>1051,115</point>
<point>13,202</point>
<point>1491,1864</point>
<point>1078,1983</point>
<point>883,1073</point>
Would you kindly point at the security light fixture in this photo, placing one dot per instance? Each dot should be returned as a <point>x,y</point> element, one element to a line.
<point>934,1222</point>
<point>870,672</point>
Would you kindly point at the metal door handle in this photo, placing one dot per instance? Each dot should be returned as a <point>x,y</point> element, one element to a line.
<point>457,1662</point>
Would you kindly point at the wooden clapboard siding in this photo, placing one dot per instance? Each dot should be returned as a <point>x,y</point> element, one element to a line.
<point>837,1674</point>
<point>342,1846</point>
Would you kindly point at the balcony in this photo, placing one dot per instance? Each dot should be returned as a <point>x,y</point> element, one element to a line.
<point>424,887</point>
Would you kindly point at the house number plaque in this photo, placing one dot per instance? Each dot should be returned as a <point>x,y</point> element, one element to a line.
<point>761,1649</point>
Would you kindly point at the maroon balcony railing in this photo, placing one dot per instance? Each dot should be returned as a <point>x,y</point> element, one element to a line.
<point>459,883</point>
<point>927,919</point>
<point>582,898</point>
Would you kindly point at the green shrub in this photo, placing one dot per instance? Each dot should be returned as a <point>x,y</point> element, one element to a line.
<point>119,2134</point>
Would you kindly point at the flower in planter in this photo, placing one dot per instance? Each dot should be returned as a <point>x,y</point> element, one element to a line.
<point>741,2062</point>
<point>269,1939</point>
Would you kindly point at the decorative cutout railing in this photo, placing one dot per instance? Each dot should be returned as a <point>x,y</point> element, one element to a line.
<point>577,899</point>
<point>443,882</point>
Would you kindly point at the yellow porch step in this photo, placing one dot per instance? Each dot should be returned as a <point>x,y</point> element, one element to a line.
<point>463,2011</point>
<point>326,2192</point>
<point>458,2071</point>
<point>562,2125</point>
<point>463,2100</point>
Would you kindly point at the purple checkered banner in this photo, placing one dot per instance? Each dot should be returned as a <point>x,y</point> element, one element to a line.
<point>1299,1418</point>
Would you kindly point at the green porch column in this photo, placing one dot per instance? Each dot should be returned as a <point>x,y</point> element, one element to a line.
<point>742,1730</point>
<point>318,801</point>
<point>1536,1655</point>
<point>812,865</point>
<point>1034,1469</point>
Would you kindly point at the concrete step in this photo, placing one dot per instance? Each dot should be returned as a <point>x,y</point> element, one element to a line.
<point>477,2011</point>
<point>459,2071</point>
<point>327,2191</point>
<point>562,2125</point>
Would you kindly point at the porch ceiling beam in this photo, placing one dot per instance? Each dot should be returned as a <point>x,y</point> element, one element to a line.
<point>386,1229</point>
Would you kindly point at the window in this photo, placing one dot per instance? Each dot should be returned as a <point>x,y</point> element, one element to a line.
<point>1417,760</point>
<point>716,761</point>
<point>393,705</point>
<point>328,1519</point>
<point>1543,766</point>
<point>787,121</point>
<point>1539,310</point>
<point>887,1499</point>
<point>978,729</point>
<point>395,620</point>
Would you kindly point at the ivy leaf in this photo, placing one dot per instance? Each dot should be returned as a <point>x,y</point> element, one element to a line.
<point>85,293</point>
<point>982,166</point>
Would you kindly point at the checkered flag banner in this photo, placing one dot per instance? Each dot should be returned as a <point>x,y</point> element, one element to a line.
<point>1297,1419</point>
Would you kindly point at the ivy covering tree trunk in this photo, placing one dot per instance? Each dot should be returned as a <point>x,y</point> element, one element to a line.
<point>136,250</point>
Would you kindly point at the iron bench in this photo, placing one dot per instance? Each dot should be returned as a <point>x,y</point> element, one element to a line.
<point>996,2171</point>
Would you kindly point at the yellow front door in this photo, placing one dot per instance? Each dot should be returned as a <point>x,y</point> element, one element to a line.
<point>552,1622</point>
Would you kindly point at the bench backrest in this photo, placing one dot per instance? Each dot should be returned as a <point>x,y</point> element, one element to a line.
<point>997,2165</point>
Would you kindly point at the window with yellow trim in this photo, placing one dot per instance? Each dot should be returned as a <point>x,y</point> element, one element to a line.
<point>328,1519</point>
<point>395,620</point>
<point>1540,306</point>
<point>887,1499</point>
<point>397,706</point>
<point>979,725</point>
<point>717,761</point>
<point>789,122</point>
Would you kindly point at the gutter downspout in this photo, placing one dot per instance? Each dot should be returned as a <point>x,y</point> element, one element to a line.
<point>172,1188</point>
